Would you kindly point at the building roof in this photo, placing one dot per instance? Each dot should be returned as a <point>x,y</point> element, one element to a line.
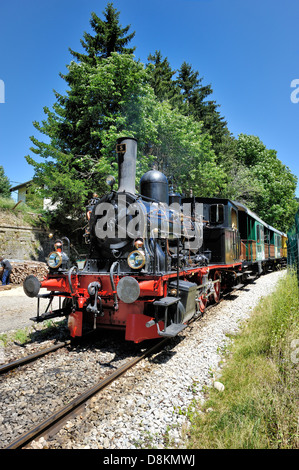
<point>20,186</point>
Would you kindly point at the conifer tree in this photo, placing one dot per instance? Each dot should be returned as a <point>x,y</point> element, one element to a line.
<point>161,77</point>
<point>109,37</point>
<point>194,102</point>
<point>4,184</point>
<point>188,83</point>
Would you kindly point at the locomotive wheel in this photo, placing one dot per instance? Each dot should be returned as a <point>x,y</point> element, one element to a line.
<point>217,287</point>
<point>202,303</point>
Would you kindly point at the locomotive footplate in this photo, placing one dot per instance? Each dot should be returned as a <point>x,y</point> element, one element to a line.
<point>47,315</point>
<point>60,312</point>
<point>171,330</point>
<point>175,327</point>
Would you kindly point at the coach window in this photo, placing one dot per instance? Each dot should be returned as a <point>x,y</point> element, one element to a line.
<point>258,233</point>
<point>216,214</point>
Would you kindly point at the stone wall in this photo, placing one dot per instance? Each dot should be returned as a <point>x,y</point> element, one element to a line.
<point>24,243</point>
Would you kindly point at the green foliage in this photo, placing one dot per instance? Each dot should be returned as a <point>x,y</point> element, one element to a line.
<point>109,37</point>
<point>33,197</point>
<point>19,213</point>
<point>106,101</point>
<point>77,157</point>
<point>4,184</point>
<point>184,153</point>
<point>178,127</point>
<point>160,78</point>
<point>273,183</point>
<point>22,336</point>
<point>83,128</point>
<point>195,102</point>
<point>7,203</point>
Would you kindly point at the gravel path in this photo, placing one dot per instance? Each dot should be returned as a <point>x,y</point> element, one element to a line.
<point>146,408</point>
<point>16,308</point>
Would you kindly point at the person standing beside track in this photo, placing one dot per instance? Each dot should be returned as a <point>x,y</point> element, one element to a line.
<point>7,270</point>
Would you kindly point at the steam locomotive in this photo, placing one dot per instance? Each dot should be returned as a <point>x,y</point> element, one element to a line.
<point>155,259</point>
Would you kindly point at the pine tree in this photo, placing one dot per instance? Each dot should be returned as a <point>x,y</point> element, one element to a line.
<point>188,83</point>
<point>109,37</point>
<point>4,184</point>
<point>194,102</point>
<point>161,77</point>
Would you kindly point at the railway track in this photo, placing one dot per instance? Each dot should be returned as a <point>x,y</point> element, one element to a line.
<point>53,423</point>
<point>43,352</point>
<point>32,357</point>
<point>56,420</point>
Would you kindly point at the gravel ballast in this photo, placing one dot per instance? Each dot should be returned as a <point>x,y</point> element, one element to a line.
<point>147,407</point>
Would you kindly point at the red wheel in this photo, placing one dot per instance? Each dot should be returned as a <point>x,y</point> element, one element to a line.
<point>202,303</point>
<point>217,287</point>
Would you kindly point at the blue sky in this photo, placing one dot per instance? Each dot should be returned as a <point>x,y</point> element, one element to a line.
<point>247,50</point>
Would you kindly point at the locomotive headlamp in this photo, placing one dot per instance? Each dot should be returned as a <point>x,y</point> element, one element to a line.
<point>136,259</point>
<point>54,259</point>
<point>110,180</point>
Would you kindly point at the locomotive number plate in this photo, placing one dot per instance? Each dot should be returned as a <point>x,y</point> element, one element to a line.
<point>121,148</point>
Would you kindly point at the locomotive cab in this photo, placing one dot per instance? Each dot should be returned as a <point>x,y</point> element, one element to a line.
<point>221,237</point>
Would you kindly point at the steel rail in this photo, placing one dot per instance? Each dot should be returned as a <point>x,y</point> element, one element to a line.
<point>59,416</point>
<point>32,357</point>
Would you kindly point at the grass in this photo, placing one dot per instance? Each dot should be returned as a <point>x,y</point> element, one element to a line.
<point>26,335</point>
<point>10,212</point>
<point>9,204</point>
<point>259,407</point>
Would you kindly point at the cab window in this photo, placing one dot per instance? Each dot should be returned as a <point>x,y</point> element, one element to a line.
<point>216,214</point>
<point>234,219</point>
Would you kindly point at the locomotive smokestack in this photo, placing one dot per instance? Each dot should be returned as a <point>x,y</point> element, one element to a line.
<point>127,155</point>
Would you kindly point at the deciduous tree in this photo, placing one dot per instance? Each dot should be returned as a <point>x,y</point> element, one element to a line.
<point>275,201</point>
